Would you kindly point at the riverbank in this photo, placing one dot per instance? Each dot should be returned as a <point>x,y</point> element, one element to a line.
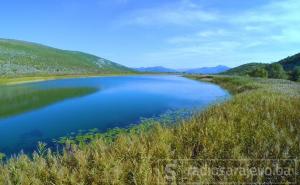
<point>31,79</point>
<point>260,122</point>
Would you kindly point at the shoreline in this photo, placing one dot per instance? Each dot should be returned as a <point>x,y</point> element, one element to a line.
<point>33,79</point>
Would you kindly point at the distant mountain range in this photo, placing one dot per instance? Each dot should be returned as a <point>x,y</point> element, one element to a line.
<point>20,58</point>
<point>208,70</point>
<point>156,69</point>
<point>204,70</point>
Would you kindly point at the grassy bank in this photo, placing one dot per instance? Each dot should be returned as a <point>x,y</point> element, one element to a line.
<point>29,79</point>
<point>261,121</point>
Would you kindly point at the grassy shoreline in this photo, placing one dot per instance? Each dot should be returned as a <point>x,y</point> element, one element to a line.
<point>30,79</point>
<point>261,121</point>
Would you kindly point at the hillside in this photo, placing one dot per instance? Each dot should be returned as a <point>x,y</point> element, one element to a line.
<point>290,63</point>
<point>30,59</point>
<point>244,69</point>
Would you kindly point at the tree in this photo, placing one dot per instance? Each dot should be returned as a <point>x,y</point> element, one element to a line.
<point>259,72</point>
<point>296,74</point>
<point>276,71</point>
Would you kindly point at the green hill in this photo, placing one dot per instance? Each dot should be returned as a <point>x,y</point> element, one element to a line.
<point>19,58</point>
<point>244,69</point>
<point>289,64</point>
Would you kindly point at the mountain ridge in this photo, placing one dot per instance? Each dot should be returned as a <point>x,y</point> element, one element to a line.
<point>156,69</point>
<point>203,70</point>
<point>208,70</point>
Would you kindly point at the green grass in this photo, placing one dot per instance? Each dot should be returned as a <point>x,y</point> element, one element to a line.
<point>19,58</point>
<point>261,121</point>
<point>18,99</point>
<point>235,84</point>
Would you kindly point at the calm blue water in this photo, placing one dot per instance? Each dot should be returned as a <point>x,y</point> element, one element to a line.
<point>119,102</point>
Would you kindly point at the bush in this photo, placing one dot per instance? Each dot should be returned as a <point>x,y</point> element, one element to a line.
<point>296,74</point>
<point>276,71</point>
<point>2,156</point>
<point>259,72</point>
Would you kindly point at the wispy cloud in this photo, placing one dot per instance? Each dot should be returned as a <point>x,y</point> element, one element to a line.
<point>198,37</point>
<point>264,33</point>
<point>276,12</point>
<point>255,34</point>
<point>278,21</point>
<point>180,13</point>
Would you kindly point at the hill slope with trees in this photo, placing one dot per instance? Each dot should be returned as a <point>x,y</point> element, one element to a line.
<point>288,68</point>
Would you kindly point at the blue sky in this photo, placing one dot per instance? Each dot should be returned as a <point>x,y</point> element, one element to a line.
<point>171,33</point>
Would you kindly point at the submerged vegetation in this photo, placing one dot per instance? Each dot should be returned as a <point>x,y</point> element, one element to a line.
<point>15,99</point>
<point>83,137</point>
<point>261,121</point>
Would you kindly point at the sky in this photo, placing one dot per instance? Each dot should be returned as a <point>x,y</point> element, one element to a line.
<point>170,33</point>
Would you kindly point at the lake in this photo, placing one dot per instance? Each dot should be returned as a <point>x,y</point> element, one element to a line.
<point>48,110</point>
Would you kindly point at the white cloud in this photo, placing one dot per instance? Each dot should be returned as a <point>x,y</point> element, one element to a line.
<point>263,34</point>
<point>287,35</point>
<point>280,12</point>
<point>265,28</point>
<point>198,37</point>
<point>278,21</point>
<point>183,13</point>
<point>210,33</point>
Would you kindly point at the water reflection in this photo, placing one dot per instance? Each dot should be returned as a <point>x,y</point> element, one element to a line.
<point>19,99</point>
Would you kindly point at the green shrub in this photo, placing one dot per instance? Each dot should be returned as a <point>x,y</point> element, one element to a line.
<point>296,74</point>
<point>259,72</point>
<point>2,156</point>
<point>276,71</point>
